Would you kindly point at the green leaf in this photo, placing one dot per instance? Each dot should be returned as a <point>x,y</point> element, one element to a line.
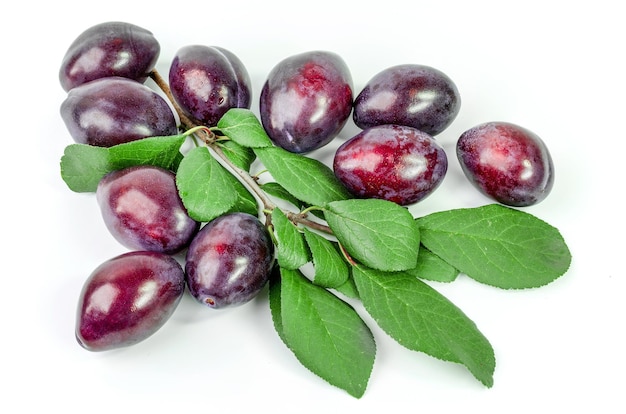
<point>421,319</point>
<point>275,303</point>
<point>331,270</point>
<point>242,157</point>
<point>291,250</point>
<point>432,267</point>
<point>274,189</point>
<point>348,289</point>
<point>497,245</point>
<point>378,233</point>
<point>305,178</point>
<point>83,166</point>
<point>325,333</point>
<point>244,200</point>
<point>243,127</point>
<point>206,188</point>
<point>160,151</point>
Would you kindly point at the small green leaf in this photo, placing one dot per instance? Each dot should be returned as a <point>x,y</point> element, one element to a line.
<point>243,127</point>
<point>421,319</point>
<point>305,178</point>
<point>331,270</point>
<point>206,188</point>
<point>242,157</point>
<point>497,245</point>
<point>378,233</point>
<point>291,250</point>
<point>325,333</point>
<point>432,267</point>
<point>83,166</point>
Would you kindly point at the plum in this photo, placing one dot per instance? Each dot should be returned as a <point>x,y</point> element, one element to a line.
<point>229,261</point>
<point>114,110</point>
<point>506,162</point>
<point>413,95</point>
<point>142,209</point>
<point>127,299</point>
<point>207,81</point>
<point>109,49</point>
<point>391,162</point>
<point>306,100</point>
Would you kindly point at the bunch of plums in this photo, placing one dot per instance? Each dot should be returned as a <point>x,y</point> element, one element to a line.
<point>304,104</point>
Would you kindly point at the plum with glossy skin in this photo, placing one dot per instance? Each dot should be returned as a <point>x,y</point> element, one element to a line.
<point>127,299</point>
<point>109,49</point>
<point>306,100</point>
<point>207,81</point>
<point>141,208</point>
<point>115,110</point>
<point>507,163</point>
<point>391,162</point>
<point>418,96</point>
<point>229,261</point>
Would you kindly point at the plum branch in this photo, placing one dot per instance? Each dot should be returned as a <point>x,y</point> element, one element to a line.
<point>209,138</point>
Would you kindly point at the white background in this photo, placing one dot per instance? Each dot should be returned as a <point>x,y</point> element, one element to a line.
<point>553,67</point>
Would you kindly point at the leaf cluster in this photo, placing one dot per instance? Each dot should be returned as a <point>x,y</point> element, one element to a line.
<point>333,249</point>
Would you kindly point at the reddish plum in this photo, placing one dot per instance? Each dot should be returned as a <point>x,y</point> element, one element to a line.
<point>418,96</point>
<point>391,162</point>
<point>127,299</point>
<point>229,261</point>
<point>114,110</point>
<point>109,49</point>
<point>507,163</point>
<point>306,100</point>
<point>142,209</point>
<point>207,81</point>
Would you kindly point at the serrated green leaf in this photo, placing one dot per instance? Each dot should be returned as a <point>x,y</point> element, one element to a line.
<point>497,245</point>
<point>242,157</point>
<point>244,200</point>
<point>274,189</point>
<point>348,289</point>
<point>325,333</point>
<point>243,127</point>
<point>291,249</point>
<point>421,319</point>
<point>206,188</point>
<point>159,151</point>
<point>432,267</point>
<point>378,233</point>
<point>275,303</point>
<point>83,166</point>
<point>305,178</point>
<point>331,270</point>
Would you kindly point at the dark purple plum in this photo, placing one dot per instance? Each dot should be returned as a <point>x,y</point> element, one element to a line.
<point>207,81</point>
<point>418,96</point>
<point>141,208</point>
<point>114,110</point>
<point>109,49</point>
<point>391,162</point>
<point>127,299</point>
<point>229,261</point>
<point>507,163</point>
<point>306,100</point>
